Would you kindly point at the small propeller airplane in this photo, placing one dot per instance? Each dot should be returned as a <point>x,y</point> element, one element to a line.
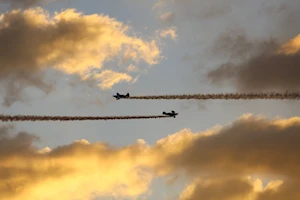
<point>171,114</point>
<point>121,96</point>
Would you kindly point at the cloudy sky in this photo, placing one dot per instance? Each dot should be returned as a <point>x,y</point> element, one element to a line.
<point>68,57</point>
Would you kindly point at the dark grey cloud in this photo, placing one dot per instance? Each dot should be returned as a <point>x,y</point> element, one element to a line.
<point>260,67</point>
<point>249,61</point>
<point>13,86</point>
<point>224,189</point>
<point>22,3</point>
<point>12,144</point>
<point>221,159</point>
<point>232,44</point>
<point>225,37</point>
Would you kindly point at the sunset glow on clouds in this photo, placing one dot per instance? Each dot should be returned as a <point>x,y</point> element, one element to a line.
<point>291,47</point>
<point>68,41</point>
<point>170,32</point>
<point>218,162</point>
<point>87,52</point>
<point>110,78</point>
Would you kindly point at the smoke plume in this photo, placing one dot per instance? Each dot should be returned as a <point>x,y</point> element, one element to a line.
<point>228,96</point>
<point>72,118</point>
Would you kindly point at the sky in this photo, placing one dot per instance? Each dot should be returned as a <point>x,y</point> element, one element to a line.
<point>68,57</point>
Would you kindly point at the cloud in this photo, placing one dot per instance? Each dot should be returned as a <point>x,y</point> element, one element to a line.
<point>292,47</point>
<point>237,188</point>
<point>81,169</point>
<point>132,68</point>
<point>109,78</point>
<point>200,22</point>
<point>219,163</point>
<point>249,146</point>
<point>22,3</point>
<point>211,189</point>
<point>208,10</point>
<point>12,85</point>
<point>167,17</point>
<point>170,32</point>
<point>265,65</point>
<point>233,44</point>
<point>244,145</point>
<point>192,9</point>
<point>159,5</point>
<point>70,42</point>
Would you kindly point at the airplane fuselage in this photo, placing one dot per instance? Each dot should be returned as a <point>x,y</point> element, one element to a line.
<point>121,96</point>
<point>171,114</point>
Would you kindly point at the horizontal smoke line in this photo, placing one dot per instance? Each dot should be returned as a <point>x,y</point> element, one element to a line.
<point>226,96</point>
<point>6,118</point>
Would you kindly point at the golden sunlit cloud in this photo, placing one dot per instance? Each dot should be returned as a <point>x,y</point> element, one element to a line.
<point>234,188</point>
<point>219,162</point>
<point>170,32</point>
<point>82,170</point>
<point>109,78</point>
<point>213,189</point>
<point>68,41</point>
<point>132,68</point>
<point>291,47</point>
<point>243,148</point>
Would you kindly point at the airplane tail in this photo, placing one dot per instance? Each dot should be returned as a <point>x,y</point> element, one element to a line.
<point>127,95</point>
<point>164,113</point>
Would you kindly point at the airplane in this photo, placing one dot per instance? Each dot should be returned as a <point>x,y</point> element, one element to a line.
<point>171,114</point>
<point>121,96</point>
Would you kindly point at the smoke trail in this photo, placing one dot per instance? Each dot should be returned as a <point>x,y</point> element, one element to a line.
<point>226,96</point>
<point>72,118</point>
